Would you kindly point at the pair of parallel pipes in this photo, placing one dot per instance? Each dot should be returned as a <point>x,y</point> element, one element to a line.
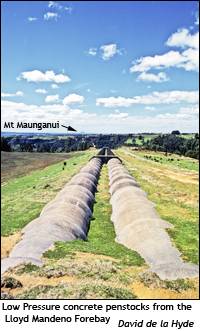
<point>137,225</point>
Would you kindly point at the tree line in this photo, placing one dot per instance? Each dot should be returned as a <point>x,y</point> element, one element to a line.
<point>172,143</point>
<point>168,143</point>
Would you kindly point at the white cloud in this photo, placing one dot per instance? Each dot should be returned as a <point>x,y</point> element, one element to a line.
<point>51,4</point>
<point>188,113</point>
<point>151,108</point>
<point>50,16</point>
<point>68,9</point>
<point>54,4</point>
<point>57,6</point>
<point>190,60</point>
<point>156,78</point>
<point>182,38</point>
<point>190,110</point>
<point>52,98</point>
<point>31,112</point>
<point>108,51</point>
<point>111,102</point>
<point>17,94</point>
<point>187,59</point>
<point>41,91</point>
<point>170,59</point>
<point>47,76</point>
<point>93,122</point>
<point>54,86</point>
<point>11,106</point>
<point>92,51</point>
<point>12,111</point>
<point>73,98</point>
<point>118,115</point>
<point>32,19</point>
<point>105,51</point>
<point>155,98</point>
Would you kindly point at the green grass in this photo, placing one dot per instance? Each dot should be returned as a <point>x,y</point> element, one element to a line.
<point>151,280</point>
<point>149,137</point>
<point>129,141</point>
<point>101,237</point>
<point>187,136</point>
<point>176,200</point>
<point>138,141</point>
<point>172,160</point>
<point>23,198</point>
<point>107,292</point>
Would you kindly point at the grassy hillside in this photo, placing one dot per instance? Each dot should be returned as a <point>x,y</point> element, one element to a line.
<point>171,160</point>
<point>138,141</point>
<point>100,267</point>
<point>18,164</point>
<point>24,197</point>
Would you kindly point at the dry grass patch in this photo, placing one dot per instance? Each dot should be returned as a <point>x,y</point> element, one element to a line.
<point>16,164</point>
<point>72,278</point>
<point>8,243</point>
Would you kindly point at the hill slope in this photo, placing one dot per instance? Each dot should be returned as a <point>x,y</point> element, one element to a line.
<point>100,267</point>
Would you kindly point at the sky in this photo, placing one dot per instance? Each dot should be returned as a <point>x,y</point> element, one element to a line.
<point>101,66</point>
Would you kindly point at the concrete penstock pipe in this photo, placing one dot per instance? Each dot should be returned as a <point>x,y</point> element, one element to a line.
<point>93,162</point>
<point>117,177</point>
<point>65,218</point>
<point>67,206</point>
<point>139,227</point>
<point>85,175</point>
<point>77,191</point>
<point>117,170</point>
<point>128,193</point>
<point>82,180</point>
<point>93,168</point>
<point>126,182</point>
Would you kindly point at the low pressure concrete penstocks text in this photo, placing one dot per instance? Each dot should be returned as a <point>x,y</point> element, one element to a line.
<point>95,307</point>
